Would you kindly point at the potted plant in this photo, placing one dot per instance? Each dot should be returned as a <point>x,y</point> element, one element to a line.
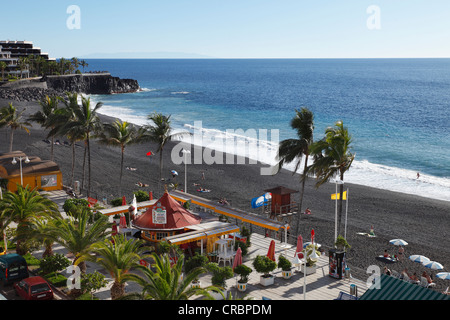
<point>286,267</point>
<point>220,275</point>
<point>243,271</point>
<point>341,244</point>
<point>197,261</point>
<point>264,265</point>
<point>310,263</point>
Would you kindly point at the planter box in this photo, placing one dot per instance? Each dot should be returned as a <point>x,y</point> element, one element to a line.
<point>266,281</point>
<point>287,274</point>
<point>196,284</point>
<point>309,270</point>
<point>218,296</point>
<point>242,286</point>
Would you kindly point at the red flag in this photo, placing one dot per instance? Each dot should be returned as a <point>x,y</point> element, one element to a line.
<point>149,154</point>
<point>312,235</point>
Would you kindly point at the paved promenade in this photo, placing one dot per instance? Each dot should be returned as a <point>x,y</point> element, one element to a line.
<point>319,286</point>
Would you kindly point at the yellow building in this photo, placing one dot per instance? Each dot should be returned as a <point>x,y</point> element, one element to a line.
<point>35,173</point>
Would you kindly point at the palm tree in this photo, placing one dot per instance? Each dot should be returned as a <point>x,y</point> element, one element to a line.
<point>294,149</point>
<point>11,118</point>
<point>74,133</point>
<point>119,134</point>
<point>23,207</point>
<point>46,117</point>
<point>160,132</point>
<point>332,158</point>
<point>166,282</point>
<point>87,121</point>
<point>117,255</point>
<point>77,235</point>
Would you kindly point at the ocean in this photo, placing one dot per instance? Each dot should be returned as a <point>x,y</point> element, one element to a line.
<point>397,110</point>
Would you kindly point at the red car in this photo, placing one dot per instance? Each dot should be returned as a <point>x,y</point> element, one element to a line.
<point>34,288</point>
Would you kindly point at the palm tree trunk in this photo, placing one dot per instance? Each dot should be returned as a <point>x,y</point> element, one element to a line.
<point>301,195</point>
<point>160,164</point>
<point>117,290</point>
<point>121,171</point>
<point>89,167</point>
<point>51,148</point>
<point>11,138</point>
<point>73,163</point>
<point>84,164</point>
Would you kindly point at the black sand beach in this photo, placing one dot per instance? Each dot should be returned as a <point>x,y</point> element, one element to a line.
<point>424,223</point>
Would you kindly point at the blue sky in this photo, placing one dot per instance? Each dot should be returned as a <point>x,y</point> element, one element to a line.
<point>234,28</point>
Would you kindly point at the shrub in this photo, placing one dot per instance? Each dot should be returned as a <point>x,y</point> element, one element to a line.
<point>263,264</point>
<point>141,196</point>
<point>284,264</point>
<point>70,203</point>
<point>58,280</point>
<point>220,274</point>
<point>243,246</point>
<point>116,202</point>
<point>31,260</point>
<point>54,263</point>
<point>244,271</point>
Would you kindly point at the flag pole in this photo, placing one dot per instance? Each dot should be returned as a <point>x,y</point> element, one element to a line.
<point>346,214</point>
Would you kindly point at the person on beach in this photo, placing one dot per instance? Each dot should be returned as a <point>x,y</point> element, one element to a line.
<point>387,271</point>
<point>386,254</point>
<point>203,175</point>
<point>428,277</point>
<point>307,211</point>
<point>401,250</point>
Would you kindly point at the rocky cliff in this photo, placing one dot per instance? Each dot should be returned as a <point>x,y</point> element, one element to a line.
<point>36,89</point>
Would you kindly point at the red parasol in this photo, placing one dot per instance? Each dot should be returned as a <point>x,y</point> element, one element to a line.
<point>124,201</point>
<point>150,195</point>
<point>149,154</point>
<point>123,222</point>
<point>271,253</point>
<point>237,258</point>
<point>312,236</point>
<point>114,229</point>
<point>299,250</point>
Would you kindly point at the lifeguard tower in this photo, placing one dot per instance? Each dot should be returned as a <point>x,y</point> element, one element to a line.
<point>282,206</point>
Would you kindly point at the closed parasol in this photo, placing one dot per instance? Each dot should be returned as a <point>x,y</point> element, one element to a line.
<point>271,252</point>
<point>237,258</point>
<point>299,250</point>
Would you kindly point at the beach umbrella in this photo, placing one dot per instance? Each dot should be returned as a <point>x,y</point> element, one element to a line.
<point>443,275</point>
<point>114,229</point>
<point>418,258</point>
<point>398,242</point>
<point>123,222</point>
<point>433,265</point>
<point>237,258</point>
<point>271,252</point>
<point>299,250</point>
<point>174,173</point>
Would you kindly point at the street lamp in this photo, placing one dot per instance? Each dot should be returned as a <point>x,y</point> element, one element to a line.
<point>14,162</point>
<point>185,152</point>
<point>338,182</point>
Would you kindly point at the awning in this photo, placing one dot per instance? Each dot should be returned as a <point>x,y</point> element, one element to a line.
<point>227,211</point>
<point>123,209</point>
<point>198,235</point>
<point>391,288</point>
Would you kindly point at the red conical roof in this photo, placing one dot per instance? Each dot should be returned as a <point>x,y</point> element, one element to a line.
<point>177,217</point>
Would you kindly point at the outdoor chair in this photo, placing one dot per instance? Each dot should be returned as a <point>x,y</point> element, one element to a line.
<point>395,274</point>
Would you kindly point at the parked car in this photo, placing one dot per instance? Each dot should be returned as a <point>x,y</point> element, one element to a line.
<point>13,267</point>
<point>34,288</point>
